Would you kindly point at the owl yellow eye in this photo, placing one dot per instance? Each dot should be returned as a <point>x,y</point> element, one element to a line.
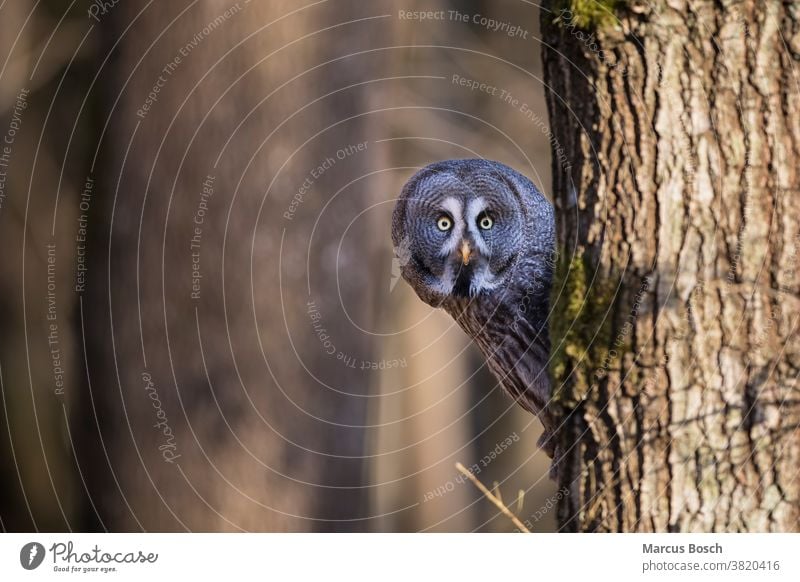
<point>444,223</point>
<point>485,222</point>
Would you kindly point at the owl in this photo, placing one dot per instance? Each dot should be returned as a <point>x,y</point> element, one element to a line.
<point>476,238</point>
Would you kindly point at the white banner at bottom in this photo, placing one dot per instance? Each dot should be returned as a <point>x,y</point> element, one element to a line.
<point>401,557</point>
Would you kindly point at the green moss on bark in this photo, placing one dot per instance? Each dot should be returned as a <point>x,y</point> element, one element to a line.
<point>587,14</point>
<point>581,327</point>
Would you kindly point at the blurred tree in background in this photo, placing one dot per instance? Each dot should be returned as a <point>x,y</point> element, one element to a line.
<point>198,199</point>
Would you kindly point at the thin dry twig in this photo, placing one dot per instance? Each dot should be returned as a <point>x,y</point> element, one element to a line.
<point>488,494</point>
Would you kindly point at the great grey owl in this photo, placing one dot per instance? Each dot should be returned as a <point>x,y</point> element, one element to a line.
<point>476,238</point>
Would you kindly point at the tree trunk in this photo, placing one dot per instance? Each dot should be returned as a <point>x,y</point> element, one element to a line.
<point>39,96</point>
<point>676,156</point>
<point>211,271</point>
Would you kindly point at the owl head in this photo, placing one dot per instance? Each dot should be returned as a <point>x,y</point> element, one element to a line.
<point>460,227</point>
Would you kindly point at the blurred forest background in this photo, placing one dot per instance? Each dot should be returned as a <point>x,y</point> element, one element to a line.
<point>201,325</point>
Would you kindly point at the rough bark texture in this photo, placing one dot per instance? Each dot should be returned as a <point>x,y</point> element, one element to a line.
<point>236,370</point>
<point>675,328</point>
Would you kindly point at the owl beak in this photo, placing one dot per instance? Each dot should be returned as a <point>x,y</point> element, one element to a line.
<point>466,253</point>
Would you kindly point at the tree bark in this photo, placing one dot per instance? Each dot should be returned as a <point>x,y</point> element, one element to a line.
<point>676,151</point>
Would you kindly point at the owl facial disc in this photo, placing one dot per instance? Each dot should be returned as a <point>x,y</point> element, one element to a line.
<point>467,250</point>
<point>465,225</point>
